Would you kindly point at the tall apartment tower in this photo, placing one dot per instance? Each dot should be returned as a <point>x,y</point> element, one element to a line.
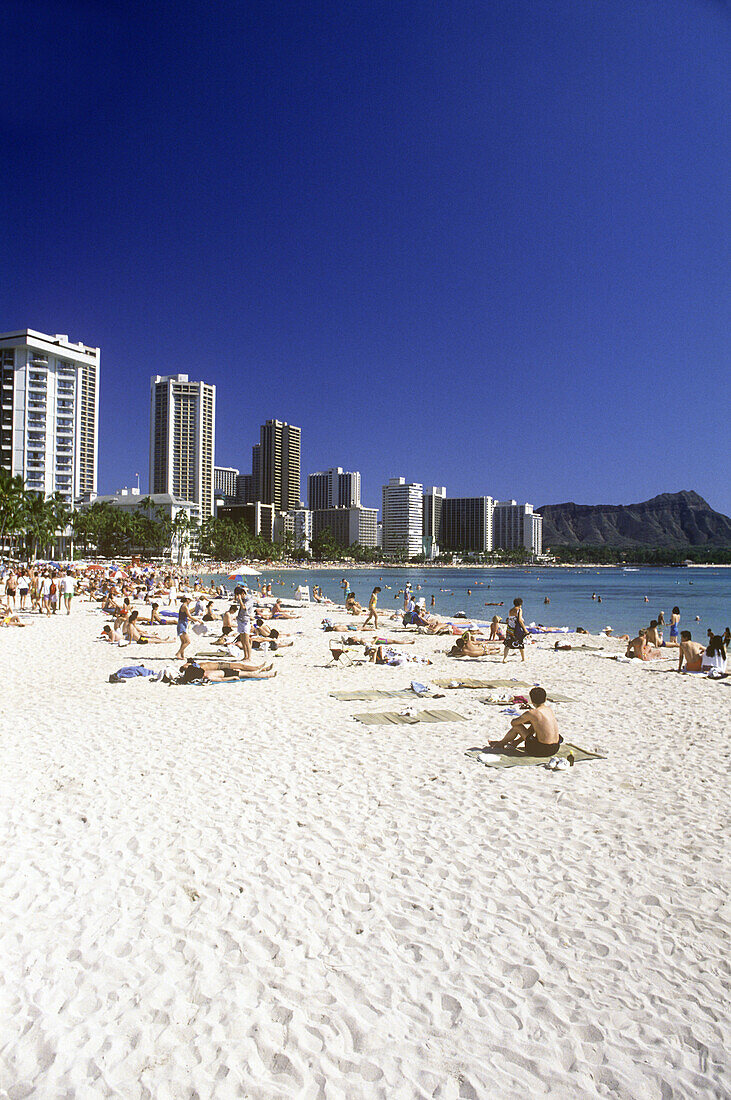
<point>224,482</point>
<point>467,525</point>
<point>433,502</point>
<point>335,488</point>
<point>182,439</point>
<point>403,510</point>
<point>517,525</point>
<point>49,412</point>
<point>279,465</point>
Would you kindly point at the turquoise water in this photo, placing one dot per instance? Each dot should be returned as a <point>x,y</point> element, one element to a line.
<point>703,592</point>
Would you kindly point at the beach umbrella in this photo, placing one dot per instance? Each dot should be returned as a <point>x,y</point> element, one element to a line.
<point>243,572</point>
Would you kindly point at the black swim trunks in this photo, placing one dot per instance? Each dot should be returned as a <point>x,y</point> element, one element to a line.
<point>533,747</point>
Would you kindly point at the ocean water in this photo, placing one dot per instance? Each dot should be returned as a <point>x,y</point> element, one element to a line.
<point>697,592</point>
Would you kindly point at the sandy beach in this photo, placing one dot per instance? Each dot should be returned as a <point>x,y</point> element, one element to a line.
<point>240,891</point>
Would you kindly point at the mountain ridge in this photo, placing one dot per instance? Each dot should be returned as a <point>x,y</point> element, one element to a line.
<point>666,520</point>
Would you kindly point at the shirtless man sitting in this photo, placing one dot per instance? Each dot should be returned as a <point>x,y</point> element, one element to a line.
<point>132,632</point>
<point>228,625</point>
<point>654,637</point>
<point>536,729</point>
<point>638,647</point>
<point>691,652</point>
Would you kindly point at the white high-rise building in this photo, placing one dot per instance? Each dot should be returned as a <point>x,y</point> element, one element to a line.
<point>49,412</point>
<point>403,510</point>
<point>182,439</point>
<point>224,481</point>
<point>517,525</point>
<point>335,488</point>
<point>432,520</point>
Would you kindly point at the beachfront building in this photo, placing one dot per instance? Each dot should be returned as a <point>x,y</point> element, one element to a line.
<point>279,465</point>
<point>157,506</point>
<point>403,511</point>
<point>294,526</point>
<point>432,518</point>
<point>49,412</point>
<point>224,482</point>
<point>517,526</point>
<point>182,439</point>
<point>258,517</point>
<point>347,525</point>
<point>335,488</point>
<point>467,525</point>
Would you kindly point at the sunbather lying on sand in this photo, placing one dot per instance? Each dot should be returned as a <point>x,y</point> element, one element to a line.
<point>7,618</point>
<point>466,646</point>
<point>377,655</point>
<point>224,670</point>
<point>536,729</point>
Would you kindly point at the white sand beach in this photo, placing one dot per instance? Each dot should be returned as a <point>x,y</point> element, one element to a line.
<point>240,891</point>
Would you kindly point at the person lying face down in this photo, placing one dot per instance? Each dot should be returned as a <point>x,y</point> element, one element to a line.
<point>536,729</point>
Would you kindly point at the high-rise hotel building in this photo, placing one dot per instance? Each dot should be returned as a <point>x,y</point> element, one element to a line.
<point>49,412</point>
<point>278,460</point>
<point>335,488</point>
<point>182,439</point>
<point>403,512</point>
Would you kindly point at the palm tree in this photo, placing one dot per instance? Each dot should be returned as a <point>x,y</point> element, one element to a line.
<point>39,523</point>
<point>13,498</point>
<point>182,528</point>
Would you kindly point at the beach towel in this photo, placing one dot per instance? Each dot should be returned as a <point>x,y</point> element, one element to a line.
<point>365,694</point>
<point>512,758</point>
<point>386,718</point>
<point>462,682</point>
<point>130,672</point>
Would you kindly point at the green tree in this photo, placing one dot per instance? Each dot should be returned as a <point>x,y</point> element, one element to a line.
<point>13,503</point>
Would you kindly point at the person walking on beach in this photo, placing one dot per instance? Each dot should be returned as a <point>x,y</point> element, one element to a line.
<point>515,630</point>
<point>184,618</point>
<point>373,608</point>
<point>244,619</point>
<point>68,585</point>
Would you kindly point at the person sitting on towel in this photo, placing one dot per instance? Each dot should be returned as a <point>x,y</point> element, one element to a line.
<point>691,652</point>
<point>536,729</point>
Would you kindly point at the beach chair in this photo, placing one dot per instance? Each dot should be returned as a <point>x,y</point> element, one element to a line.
<point>339,653</point>
<point>303,593</point>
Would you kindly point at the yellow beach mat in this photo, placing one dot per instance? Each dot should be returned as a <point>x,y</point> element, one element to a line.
<point>391,718</point>
<point>516,758</point>
<point>461,681</point>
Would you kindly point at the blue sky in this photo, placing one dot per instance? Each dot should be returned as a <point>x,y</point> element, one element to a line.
<point>483,245</point>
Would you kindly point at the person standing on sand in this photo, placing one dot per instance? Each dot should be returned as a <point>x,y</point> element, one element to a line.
<point>184,618</point>
<point>373,608</point>
<point>674,638</point>
<point>68,585</point>
<point>515,631</point>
